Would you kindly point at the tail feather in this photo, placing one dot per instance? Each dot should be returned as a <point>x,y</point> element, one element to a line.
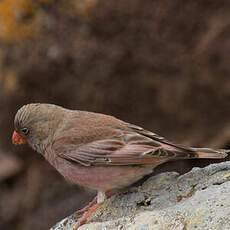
<point>211,153</point>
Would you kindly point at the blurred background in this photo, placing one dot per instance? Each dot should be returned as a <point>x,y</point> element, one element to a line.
<point>163,65</point>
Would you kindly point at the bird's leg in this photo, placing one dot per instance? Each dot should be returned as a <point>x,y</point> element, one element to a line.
<point>107,194</point>
<point>92,208</point>
<point>101,196</point>
<point>84,209</point>
<point>86,216</point>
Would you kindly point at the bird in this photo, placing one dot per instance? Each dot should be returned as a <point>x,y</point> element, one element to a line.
<point>95,150</point>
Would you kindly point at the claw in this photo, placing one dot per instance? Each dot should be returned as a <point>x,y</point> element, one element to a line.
<point>86,208</point>
<point>86,216</point>
<point>90,209</point>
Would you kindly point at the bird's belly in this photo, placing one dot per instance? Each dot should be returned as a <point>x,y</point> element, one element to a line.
<point>102,177</point>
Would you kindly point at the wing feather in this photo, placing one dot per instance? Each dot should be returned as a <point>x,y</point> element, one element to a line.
<point>135,146</point>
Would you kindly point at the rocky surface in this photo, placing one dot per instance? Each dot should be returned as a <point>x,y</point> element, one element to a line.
<point>198,199</point>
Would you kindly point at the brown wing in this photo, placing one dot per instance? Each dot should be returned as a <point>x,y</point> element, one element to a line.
<point>135,146</point>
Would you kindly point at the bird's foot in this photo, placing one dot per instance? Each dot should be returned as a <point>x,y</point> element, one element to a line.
<point>91,203</point>
<point>87,215</point>
<point>86,208</point>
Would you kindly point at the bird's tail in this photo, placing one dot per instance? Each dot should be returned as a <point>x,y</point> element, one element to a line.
<point>211,153</point>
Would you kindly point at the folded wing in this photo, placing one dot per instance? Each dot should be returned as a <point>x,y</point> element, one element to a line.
<point>133,146</point>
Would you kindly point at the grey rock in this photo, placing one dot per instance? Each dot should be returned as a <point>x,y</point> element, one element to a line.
<point>197,200</point>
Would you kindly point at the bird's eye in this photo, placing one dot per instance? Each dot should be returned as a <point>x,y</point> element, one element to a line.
<point>25,131</point>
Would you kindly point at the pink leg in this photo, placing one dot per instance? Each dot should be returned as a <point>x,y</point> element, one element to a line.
<point>89,210</point>
<point>86,216</point>
<point>91,203</point>
<point>85,209</point>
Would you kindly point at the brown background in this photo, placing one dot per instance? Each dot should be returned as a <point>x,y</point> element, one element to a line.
<point>164,65</point>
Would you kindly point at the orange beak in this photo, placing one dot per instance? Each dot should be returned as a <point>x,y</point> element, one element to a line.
<point>17,139</point>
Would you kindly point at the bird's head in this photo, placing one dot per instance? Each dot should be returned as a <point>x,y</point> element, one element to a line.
<point>35,124</point>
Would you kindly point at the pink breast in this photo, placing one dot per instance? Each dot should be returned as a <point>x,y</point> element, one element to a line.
<point>101,178</point>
